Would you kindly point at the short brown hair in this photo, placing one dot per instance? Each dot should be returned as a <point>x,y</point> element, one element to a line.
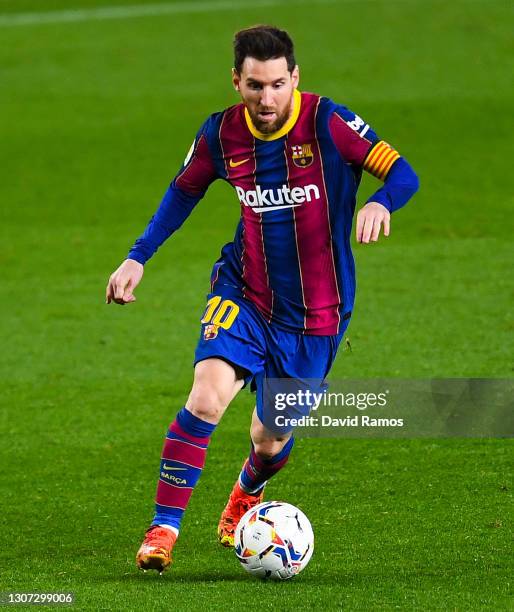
<point>263,42</point>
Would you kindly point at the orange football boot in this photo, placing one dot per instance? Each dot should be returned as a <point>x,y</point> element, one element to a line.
<point>155,551</point>
<point>238,503</point>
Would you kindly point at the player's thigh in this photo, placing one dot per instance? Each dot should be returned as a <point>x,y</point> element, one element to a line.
<point>296,366</point>
<point>216,383</point>
<point>232,330</point>
<point>301,356</point>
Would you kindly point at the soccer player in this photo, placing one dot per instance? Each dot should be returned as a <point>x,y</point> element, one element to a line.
<point>282,292</point>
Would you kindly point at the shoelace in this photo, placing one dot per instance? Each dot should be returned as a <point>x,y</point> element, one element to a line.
<point>157,536</point>
<point>244,505</point>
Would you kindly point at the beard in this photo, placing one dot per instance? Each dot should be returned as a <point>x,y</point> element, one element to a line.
<point>266,127</point>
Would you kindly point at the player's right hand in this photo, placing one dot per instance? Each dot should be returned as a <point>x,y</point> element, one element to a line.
<point>123,281</point>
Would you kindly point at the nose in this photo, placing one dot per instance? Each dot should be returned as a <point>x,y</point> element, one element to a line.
<point>267,97</point>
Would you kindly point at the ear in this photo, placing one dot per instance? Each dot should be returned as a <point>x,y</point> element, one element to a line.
<point>236,79</point>
<point>295,76</point>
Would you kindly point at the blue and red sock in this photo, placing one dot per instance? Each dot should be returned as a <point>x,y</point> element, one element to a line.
<point>183,458</point>
<point>257,471</point>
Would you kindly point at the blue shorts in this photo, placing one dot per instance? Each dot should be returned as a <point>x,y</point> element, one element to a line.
<point>234,330</point>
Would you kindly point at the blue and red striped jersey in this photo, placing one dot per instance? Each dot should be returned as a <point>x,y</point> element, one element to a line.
<point>297,188</point>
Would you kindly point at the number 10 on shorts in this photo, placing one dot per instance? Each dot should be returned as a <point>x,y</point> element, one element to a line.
<point>218,313</point>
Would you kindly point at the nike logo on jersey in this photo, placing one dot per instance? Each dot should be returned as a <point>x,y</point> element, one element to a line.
<point>234,164</point>
<point>169,467</point>
<point>264,200</point>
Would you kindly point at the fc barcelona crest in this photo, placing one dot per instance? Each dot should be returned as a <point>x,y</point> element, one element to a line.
<point>210,332</point>
<point>302,155</point>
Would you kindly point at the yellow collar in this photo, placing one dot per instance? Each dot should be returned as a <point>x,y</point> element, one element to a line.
<point>288,125</point>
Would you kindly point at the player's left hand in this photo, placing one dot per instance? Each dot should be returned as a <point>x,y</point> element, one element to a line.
<point>369,222</point>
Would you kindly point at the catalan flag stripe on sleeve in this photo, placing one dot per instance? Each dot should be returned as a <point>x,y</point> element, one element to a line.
<point>380,159</point>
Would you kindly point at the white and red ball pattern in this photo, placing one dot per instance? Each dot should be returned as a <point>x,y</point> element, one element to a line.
<point>274,540</point>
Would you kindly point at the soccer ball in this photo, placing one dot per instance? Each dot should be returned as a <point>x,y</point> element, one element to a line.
<point>274,540</point>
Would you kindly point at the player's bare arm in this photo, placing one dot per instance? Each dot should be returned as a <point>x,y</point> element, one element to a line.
<point>370,220</point>
<point>123,281</point>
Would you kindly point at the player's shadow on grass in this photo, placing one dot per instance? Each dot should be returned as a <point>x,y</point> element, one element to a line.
<point>208,577</point>
<point>178,577</point>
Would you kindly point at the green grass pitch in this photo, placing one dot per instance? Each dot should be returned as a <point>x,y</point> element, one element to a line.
<point>96,116</point>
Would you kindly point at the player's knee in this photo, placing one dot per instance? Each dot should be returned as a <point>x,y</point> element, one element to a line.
<point>264,443</point>
<point>215,384</point>
<point>207,403</point>
<point>267,449</point>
